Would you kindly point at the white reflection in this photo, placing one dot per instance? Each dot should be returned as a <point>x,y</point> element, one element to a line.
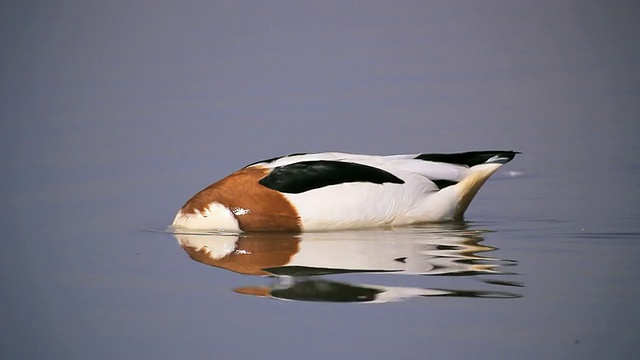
<point>298,260</point>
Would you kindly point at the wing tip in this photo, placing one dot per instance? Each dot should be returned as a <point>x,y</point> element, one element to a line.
<point>471,158</point>
<point>502,157</point>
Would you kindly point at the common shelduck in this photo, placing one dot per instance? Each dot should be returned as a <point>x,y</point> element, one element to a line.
<point>334,191</point>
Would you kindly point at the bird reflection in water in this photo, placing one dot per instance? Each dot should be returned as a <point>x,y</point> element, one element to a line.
<point>300,263</point>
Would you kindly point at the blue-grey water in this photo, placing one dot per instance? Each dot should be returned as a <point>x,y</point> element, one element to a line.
<point>113,114</point>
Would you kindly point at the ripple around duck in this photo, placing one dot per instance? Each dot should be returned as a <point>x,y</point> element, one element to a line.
<point>604,235</point>
<point>299,264</point>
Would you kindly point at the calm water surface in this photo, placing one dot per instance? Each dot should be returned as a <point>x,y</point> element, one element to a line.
<point>505,284</point>
<point>114,115</point>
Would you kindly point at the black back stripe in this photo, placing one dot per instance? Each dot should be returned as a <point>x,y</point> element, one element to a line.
<point>274,159</point>
<point>470,158</point>
<point>308,175</point>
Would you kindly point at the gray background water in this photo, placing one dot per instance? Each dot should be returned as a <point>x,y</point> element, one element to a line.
<point>114,113</point>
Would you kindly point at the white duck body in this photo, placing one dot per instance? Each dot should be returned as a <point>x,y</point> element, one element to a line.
<point>334,191</point>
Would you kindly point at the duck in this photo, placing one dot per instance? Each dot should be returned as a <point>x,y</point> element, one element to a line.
<point>306,192</point>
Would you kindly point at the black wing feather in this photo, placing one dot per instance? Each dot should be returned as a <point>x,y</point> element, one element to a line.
<point>441,184</point>
<point>470,158</point>
<point>308,175</point>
